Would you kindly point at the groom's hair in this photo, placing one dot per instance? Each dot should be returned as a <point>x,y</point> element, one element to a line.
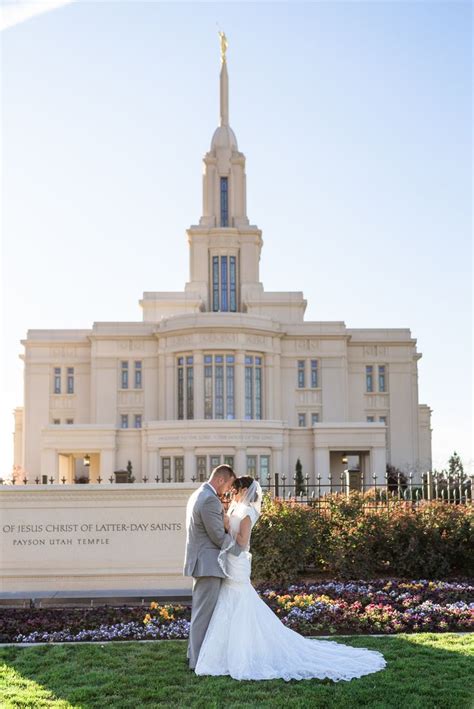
<point>222,471</point>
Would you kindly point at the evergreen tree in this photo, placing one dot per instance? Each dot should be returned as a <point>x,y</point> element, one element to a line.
<point>299,480</point>
<point>455,466</point>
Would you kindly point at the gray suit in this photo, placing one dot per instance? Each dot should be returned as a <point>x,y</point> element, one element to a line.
<point>205,535</point>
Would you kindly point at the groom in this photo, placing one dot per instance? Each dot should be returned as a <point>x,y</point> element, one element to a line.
<point>206,532</point>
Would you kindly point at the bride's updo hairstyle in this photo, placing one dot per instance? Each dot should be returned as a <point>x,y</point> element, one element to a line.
<point>242,483</point>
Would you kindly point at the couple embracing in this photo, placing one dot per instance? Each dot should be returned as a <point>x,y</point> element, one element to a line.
<point>233,632</point>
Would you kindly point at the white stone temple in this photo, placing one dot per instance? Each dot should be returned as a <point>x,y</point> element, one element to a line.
<point>223,371</point>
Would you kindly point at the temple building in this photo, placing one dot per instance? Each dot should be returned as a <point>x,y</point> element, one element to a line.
<point>222,371</point>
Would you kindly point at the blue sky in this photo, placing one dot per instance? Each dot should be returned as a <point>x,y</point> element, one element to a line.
<point>356,122</point>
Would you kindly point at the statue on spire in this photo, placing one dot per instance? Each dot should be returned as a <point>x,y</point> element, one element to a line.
<point>224,45</point>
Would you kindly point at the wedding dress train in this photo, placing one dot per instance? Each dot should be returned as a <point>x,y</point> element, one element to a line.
<point>247,641</point>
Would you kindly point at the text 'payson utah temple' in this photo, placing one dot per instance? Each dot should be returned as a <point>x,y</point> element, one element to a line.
<point>221,372</point>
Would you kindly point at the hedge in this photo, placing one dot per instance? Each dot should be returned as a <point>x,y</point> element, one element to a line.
<point>348,539</point>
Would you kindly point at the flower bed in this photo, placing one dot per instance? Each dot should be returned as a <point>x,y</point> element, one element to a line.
<point>322,608</point>
<point>376,607</point>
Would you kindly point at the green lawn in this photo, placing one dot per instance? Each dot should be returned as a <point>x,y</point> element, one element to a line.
<point>424,670</point>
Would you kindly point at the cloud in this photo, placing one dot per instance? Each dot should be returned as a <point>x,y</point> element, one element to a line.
<point>13,13</point>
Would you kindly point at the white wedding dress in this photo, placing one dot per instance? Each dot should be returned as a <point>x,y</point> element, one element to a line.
<point>247,641</point>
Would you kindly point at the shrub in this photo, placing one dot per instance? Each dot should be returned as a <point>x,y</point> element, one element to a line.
<point>349,539</point>
<point>286,540</point>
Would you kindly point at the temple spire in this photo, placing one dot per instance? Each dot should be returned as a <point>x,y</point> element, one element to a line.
<point>224,82</point>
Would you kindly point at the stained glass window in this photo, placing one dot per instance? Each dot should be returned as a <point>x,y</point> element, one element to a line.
<point>382,380</point>
<point>369,378</point>
<point>185,387</point>
<point>70,380</point>
<point>224,283</point>
<point>215,283</point>
<point>166,469</point>
<point>252,465</point>
<point>57,380</point>
<point>201,468</point>
<point>224,201</point>
<point>124,368</point>
<point>233,284</point>
<point>179,469</point>
<point>301,373</point>
<point>138,375</point>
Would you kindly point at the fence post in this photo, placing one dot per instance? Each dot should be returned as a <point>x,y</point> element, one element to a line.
<point>344,485</point>
<point>429,483</point>
<point>277,491</point>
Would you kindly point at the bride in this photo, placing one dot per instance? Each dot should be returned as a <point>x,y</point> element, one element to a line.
<point>246,640</point>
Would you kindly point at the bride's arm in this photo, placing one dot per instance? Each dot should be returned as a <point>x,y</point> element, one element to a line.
<point>243,535</point>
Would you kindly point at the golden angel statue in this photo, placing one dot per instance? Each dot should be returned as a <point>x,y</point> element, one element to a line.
<point>224,45</point>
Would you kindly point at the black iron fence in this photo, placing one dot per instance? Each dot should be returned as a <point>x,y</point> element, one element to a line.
<point>380,490</point>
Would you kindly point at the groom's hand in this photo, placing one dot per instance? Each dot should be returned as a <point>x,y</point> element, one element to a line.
<point>226,522</point>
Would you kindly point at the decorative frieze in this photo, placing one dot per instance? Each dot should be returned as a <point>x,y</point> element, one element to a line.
<point>130,398</point>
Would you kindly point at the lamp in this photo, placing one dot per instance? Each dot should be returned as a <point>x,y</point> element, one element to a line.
<point>87,460</point>
<point>344,458</point>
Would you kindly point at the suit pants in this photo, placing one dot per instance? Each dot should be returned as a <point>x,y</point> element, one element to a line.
<point>205,593</point>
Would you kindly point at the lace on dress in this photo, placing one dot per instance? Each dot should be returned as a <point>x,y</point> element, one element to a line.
<point>250,505</point>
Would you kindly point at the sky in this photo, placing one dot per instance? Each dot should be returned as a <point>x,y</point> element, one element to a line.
<point>355,119</point>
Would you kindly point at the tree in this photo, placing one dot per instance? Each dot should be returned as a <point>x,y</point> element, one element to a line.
<point>455,466</point>
<point>299,479</point>
<point>395,477</point>
<point>131,479</point>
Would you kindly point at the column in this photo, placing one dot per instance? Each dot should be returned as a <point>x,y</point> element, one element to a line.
<point>107,463</point>
<point>285,457</point>
<point>378,462</point>
<point>153,468</point>
<point>322,464</point>
<point>50,464</point>
<point>276,463</point>
<point>189,464</point>
<point>198,359</point>
<point>240,385</point>
<point>277,386</point>
<point>170,389</point>
<point>240,465</point>
<point>161,388</point>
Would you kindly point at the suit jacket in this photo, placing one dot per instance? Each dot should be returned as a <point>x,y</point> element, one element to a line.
<point>205,534</point>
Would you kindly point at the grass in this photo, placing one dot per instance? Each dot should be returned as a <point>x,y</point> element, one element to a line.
<point>424,670</point>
